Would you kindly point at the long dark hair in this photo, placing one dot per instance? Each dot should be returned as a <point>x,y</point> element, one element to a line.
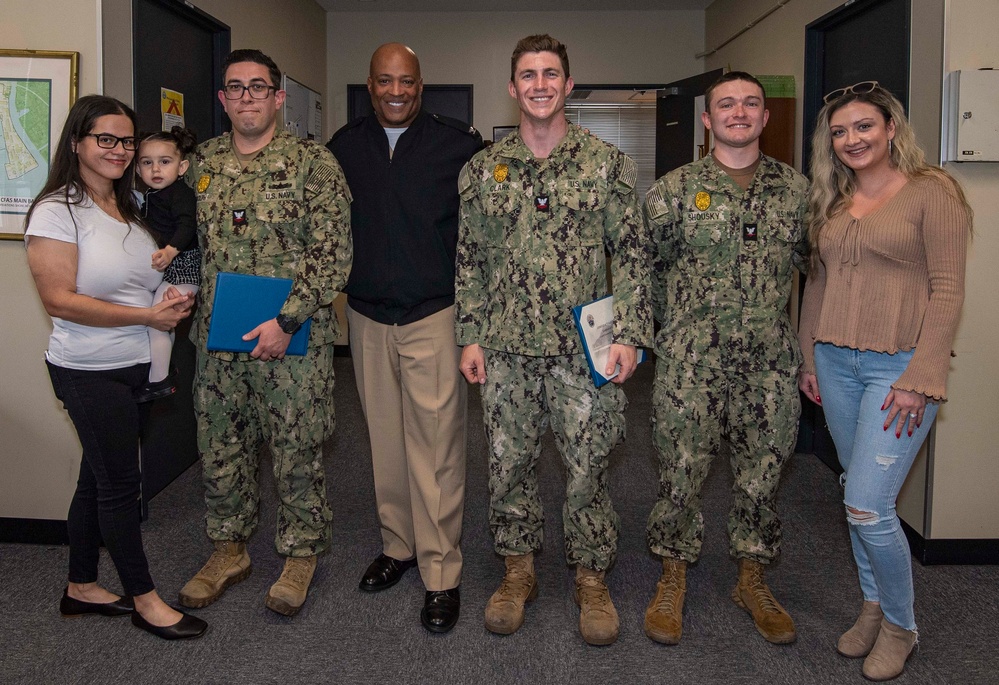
<point>64,181</point>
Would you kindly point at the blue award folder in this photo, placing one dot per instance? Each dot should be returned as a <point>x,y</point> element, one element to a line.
<point>595,323</point>
<point>243,302</point>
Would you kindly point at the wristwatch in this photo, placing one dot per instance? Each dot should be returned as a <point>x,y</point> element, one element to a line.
<point>287,324</point>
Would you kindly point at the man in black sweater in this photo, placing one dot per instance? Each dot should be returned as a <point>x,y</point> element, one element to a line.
<point>402,168</point>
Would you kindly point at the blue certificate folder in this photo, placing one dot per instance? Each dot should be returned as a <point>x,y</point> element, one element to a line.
<point>595,323</point>
<point>243,302</point>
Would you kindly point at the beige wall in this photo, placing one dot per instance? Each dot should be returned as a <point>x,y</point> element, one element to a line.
<point>475,47</point>
<point>39,452</point>
<point>966,470</point>
<point>963,474</point>
<point>293,32</point>
<point>774,46</point>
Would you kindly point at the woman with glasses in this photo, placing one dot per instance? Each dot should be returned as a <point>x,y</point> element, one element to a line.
<point>889,237</point>
<point>90,257</point>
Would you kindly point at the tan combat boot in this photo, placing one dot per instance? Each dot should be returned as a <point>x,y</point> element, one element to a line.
<point>598,621</point>
<point>859,640</point>
<point>287,595</point>
<point>891,650</point>
<point>229,564</point>
<point>753,595</point>
<point>505,609</point>
<point>664,615</point>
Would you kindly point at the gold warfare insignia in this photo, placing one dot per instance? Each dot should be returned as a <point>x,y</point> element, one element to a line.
<point>702,200</point>
<point>203,182</point>
<point>500,172</point>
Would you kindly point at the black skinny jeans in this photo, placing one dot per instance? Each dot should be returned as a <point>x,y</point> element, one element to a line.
<point>106,502</point>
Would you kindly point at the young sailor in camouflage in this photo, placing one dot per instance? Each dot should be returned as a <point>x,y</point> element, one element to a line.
<point>727,232</point>
<point>540,210</point>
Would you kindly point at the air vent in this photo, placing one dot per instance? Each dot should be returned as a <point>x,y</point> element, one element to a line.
<point>579,95</point>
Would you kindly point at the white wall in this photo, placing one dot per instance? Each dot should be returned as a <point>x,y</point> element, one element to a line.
<point>475,47</point>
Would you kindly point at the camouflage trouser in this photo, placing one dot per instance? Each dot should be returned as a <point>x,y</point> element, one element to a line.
<point>694,408</point>
<point>520,396</point>
<point>288,405</point>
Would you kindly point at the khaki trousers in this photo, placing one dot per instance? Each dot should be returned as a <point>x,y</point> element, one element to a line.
<point>415,402</point>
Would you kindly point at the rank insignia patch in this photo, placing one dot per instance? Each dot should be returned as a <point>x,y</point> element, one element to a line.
<point>239,217</point>
<point>203,182</point>
<point>541,203</point>
<point>500,172</point>
<point>702,200</point>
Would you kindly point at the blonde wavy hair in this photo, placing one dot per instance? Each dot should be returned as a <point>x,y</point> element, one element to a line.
<point>833,182</point>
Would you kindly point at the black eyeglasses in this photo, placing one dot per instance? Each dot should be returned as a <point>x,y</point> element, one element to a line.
<point>258,91</point>
<point>858,88</point>
<point>110,142</point>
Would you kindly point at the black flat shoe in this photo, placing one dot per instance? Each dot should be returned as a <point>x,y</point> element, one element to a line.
<point>157,390</point>
<point>440,610</point>
<point>384,572</point>
<point>77,607</point>
<point>187,626</point>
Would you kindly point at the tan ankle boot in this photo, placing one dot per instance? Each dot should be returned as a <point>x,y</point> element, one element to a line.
<point>890,652</point>
<point>287,595</point>
<point>753,595</point>
<point>505,609</point>
<point>664,615</point>
<point>598,621</point>
<point>229,564</point>
<point>858,640</point>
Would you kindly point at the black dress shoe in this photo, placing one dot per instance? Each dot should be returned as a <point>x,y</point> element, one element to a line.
<point>384,572</point>
<point>440,610</point>
<point>187,626</point>
<point>77,607</point>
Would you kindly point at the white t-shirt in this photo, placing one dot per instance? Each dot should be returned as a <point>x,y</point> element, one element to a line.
<point>113,265</point>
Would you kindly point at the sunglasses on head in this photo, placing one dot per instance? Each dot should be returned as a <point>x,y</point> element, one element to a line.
<point>858,88</point>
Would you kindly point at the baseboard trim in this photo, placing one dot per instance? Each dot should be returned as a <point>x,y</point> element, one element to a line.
<point>951,551</point>
<point>33,531</point>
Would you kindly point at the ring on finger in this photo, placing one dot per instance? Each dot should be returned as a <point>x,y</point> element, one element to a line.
<point>911,415</point>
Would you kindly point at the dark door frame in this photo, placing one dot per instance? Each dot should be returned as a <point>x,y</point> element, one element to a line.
<point>221,42</point>
<point>815,59</point>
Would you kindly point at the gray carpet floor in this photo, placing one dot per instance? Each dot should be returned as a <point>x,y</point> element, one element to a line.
<point>344,635</point>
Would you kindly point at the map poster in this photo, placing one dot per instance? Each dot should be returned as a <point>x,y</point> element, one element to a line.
<point>37,89</point>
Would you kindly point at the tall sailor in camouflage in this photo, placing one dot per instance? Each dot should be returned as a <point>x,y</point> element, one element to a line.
<point>539,209</point>
<point>726,235</point>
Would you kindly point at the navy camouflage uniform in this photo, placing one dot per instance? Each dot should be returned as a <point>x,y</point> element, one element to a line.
<point>531,245</point>
<point>727,356</point>
<point>286,214</point>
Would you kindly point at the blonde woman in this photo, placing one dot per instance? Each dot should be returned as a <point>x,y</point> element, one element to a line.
<point>889,238</point>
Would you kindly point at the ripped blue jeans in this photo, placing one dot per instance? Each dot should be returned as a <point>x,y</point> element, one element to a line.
<point>853,386</point>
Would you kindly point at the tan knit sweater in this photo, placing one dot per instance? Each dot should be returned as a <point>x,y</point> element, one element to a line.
<point>892,281</point>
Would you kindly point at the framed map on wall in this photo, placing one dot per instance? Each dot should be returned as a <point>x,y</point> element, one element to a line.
<point>37,88</point>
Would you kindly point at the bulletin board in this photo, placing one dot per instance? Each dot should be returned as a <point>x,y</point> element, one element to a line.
<point>303,110</point>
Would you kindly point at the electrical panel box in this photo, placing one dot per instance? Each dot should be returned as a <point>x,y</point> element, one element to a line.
<point>971,116</point>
